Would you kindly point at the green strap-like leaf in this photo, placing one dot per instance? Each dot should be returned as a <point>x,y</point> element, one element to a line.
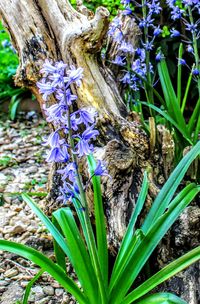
<point>171,120</point>
<point>82,263</point>
<point>161,298</point>
<point>59,253</point>
<point>100,224</point>
<point>165,195</point>
<point>128,237</point>
<point>179,75</point>
<point>49,225</point>
<point>148,244</point>
<point>163,275</point>
<point>171,100</point>
<point>29,286</point>
<point>47,265</point>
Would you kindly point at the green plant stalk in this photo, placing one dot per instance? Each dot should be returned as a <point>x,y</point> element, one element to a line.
<point>180,55</point>
<point>91,241</point>
<point>29,286</point>
<point>195,47</point>
<point>101,233</point>
<point>148,88</point>
<point>186,92</point>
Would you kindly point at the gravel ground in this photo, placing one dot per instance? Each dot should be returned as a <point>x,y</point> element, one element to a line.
<point>23,168</point>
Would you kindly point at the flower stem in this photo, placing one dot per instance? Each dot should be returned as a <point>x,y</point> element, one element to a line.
<point>90,235</point>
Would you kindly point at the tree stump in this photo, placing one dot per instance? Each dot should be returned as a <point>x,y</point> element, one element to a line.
<point>53,29</point>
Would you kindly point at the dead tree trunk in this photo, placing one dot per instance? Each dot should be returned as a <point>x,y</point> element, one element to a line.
<point>52,29</point>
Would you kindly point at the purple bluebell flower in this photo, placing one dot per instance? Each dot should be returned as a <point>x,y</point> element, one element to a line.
<point>174,33</point>
<point>126,79</point>
<point>45,88</point>
<point>191,27</point>
<point>90,133</point>
<point>53,140</point>
<point>69,172</point>
<point>125,2</point>
<point>85,116</point>
<point>101,169</point>
<point>190,49</point>
<point>157,31</point>
<point>176,13</point>
<point>55,155</point>
<point>65,96</point>
<point>154,7</point>
<point>127,11</point>
<point>126,47</point>
<point>49,68</point>
<point>57,81</point>
<point>181,61</point>
<point>75,75</point>
<point>148,46</point>
<point>146,22</point>
<point>159,57</point>
<point>83,147</point>
<point>114,25</point>
<point>119,60</point>
<point>195,72</point>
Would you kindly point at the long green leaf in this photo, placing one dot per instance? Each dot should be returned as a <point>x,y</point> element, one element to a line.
<point>82,262</point>
<point>46,264</point>
<point>100,224</point>
<point>15,100</point>
<point>194,118</point>
<point>130,251</point>
<point>123,253</point>
<point>148,244</point>
<point>186,92</point>
<point>163,275</point>
<point>171,100</point>
<point>59,253</point>
<point>179,86</point>
<point>161,298</point>
<point>171,120</point>
<point>29,286</point>
<point>165,195</point>
<point>49,225</point>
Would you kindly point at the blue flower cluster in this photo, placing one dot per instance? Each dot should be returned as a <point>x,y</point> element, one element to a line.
<point>140,66</point>
<point>185,11</point>
<point>73,130</point>
<point>139,70</point>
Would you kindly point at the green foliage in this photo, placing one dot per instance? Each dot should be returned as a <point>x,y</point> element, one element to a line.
<point>88,253</point>
<point>111,5</point>
<point>8,65</point>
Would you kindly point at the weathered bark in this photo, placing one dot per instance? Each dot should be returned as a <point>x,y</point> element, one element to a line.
<point>52,29</point>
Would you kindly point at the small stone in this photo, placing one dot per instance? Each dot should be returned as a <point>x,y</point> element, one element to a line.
<point>32,169</point>
<point>58,292</point>
<point>2,289</point>
<point>11,273</point>
<point>38,292</point>
<point>43,301</point>
<point>17,208</point>
<point>24,284</point>
<point>18,229</point>
<point>49,290</point>
<point>4,283</point>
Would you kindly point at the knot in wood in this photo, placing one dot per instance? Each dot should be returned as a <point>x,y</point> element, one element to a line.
<point>118,156</point>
